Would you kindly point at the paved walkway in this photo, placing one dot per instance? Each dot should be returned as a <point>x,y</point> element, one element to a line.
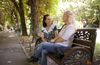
<point>11,52</point>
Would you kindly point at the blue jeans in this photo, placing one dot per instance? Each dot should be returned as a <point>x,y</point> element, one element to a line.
<point>46,48</point>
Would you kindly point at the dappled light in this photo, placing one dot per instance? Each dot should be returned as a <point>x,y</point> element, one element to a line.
<point>23,26</point>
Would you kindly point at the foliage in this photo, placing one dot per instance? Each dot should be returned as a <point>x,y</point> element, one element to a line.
<point>94,10</point>
<point>19,6</point>
<point>84,9</point>
<point>7,11</point>
<point>46,7</point>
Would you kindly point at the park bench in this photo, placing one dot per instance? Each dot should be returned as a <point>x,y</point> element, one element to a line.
<point>82,50</point>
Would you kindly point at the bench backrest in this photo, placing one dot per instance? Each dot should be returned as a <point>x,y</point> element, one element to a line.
<point>85,38</point>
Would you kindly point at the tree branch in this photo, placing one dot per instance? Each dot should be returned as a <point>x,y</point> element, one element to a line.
<point>16,5</point>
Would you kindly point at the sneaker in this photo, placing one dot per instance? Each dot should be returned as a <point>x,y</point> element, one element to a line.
<point>32,59</point>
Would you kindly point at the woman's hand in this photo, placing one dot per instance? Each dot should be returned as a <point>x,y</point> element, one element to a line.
<point>52,40</point>
<point>41,34</point>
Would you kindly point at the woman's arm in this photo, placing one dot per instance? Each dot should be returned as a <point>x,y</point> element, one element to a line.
<point>43,39</point>
<point>57,39</point>
<point>42,36</point>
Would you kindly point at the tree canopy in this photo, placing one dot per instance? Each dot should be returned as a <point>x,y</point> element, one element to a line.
<point>21,11</point>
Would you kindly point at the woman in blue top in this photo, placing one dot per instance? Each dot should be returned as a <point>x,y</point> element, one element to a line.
<point>49,30</point>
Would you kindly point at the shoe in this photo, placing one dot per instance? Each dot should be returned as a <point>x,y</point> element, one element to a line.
<point>32,59</point>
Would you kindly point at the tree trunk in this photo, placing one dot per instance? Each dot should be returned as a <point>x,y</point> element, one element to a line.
<point>34,22</point>
<point>19,7</point>
<point>22,18</point>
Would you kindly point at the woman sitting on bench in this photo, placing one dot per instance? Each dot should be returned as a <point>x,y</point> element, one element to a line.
<point>49,30</point>
<point>59,44</point>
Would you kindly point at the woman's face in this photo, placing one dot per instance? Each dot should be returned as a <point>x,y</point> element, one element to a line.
<point>67,18</point>
<point>48,20</point>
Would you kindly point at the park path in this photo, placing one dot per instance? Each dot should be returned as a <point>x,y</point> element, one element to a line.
<point>11,52</point>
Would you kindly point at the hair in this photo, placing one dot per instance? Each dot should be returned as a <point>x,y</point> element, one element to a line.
<point>44,18</point>
<point>70,13</point>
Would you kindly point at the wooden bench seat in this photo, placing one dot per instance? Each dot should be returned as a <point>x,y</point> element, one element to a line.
<point>82,50</point>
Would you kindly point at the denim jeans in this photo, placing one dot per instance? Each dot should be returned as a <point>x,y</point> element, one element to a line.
<point>45,48</point>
